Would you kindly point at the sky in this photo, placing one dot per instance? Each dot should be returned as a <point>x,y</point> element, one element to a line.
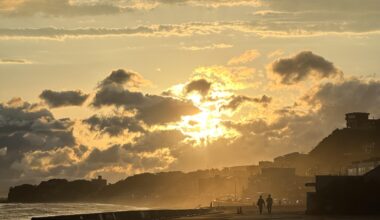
<point>116,88</point>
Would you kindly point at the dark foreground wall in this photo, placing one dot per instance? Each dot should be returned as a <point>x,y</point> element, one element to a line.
<point>346,194</point>
<point>130,215</point>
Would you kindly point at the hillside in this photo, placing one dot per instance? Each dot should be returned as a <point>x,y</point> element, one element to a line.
<point>344,146</point>
<point>166,189</point>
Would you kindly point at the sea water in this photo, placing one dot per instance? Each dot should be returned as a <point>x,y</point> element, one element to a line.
<point>25,211</point>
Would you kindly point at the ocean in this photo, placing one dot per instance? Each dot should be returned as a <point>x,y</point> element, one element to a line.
<point>25,211</point>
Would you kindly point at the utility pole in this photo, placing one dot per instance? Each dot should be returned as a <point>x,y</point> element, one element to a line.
<point>235,190</point>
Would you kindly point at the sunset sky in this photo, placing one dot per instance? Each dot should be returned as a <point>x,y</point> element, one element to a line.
<point>119,87</point>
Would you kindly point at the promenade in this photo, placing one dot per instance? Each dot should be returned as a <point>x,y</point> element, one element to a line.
<point>285,213</point>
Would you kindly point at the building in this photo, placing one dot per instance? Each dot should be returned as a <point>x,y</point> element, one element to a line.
<point>360,120</point>
<point>230,181</point>
<point>359,168</point>
<point>99,181</point>
<point>345,194</point>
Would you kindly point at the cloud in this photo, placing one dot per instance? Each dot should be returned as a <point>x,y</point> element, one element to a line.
<point>64,98</point>
<point>153,140</point>
<point>152,109</point>
<point>245,57</point>
<point>293,128</point>
<point>201,85</point>
<point>238,100</point>
<point>301,66</point>
<point>14,61</point>
<point>162,30</point>
<point>82,162</point>
<point>323,5</point>
<point>71,8</point>
<point>124,77</point>
<point>212,3</point>
<point>162,110</point>
<point>264,28</point>
<point>226,78</point>
<point>315,18</point>
<point>113,125</point>
<point>208,47</point>
<point>117,96</point>
<point>26,127</point>
<point>336,99</point>
<point>60,8</point>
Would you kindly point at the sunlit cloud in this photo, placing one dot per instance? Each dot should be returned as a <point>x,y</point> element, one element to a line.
<point>104,7</point>
<point>227,78</point>
<point>207,47</point>
<point>245,57</point>
<point>286,30</point>
<point>9,61</point>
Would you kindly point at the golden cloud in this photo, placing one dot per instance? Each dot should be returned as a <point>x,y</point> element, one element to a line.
<point>245,57</point>
<point>227,78</point>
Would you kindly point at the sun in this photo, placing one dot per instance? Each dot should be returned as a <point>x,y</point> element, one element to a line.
<point>202,128</point>
<point>206,126</point>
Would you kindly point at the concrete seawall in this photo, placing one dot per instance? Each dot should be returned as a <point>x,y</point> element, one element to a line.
<point>131,215</point>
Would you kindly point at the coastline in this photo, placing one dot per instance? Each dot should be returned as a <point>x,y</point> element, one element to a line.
<point>132,214</point>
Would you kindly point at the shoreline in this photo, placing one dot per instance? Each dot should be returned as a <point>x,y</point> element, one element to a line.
<point>132,214</point>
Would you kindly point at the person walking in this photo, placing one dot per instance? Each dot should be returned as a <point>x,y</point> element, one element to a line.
<point>269,204</point>
<point>260,203</point>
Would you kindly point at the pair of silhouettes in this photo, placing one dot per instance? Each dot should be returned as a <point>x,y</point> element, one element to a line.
<point>261,203</point>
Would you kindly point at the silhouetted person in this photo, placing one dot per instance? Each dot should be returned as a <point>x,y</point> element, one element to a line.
<point>260,203</point>
<point>269,204</point>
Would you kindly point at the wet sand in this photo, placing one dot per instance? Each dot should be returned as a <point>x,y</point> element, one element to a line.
<point>279,213</point>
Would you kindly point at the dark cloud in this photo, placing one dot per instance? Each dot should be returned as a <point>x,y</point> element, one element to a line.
<point>113,125</point>
<point>238,100</point>
<point>161,110</point>
<point>117,96</point>
<point>24,128</point>
<point>122,77</point>
<point>64,98</point>
<point>152,109</point>
<point>352,95</point>
<point>201,85</point>
<point>301,66</point>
